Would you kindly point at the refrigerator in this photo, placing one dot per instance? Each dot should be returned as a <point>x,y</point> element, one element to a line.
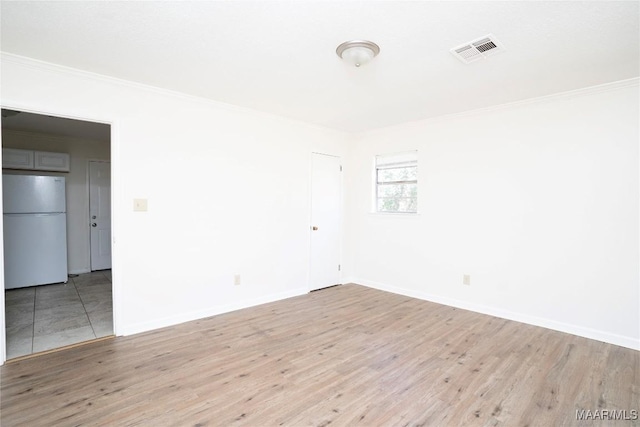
<point>35,230</point>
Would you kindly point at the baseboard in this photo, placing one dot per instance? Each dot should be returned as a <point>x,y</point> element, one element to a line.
<point>580,331</point>
<point>137,328</point>
<point>348,279</point>
<point>79,271</point>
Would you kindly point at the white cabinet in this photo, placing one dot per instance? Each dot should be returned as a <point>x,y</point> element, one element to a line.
<point>45,161</point>
<point>34,160</point>
<point>17,159</point>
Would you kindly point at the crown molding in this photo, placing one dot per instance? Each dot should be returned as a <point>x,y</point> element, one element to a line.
<point>574,93</point>
<point>40,65</point>
<point>91,76</point>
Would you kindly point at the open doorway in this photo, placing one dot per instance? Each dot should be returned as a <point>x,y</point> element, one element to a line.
<point>44,311</point>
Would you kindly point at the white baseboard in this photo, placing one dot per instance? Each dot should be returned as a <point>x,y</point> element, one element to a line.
<point>79,271</point>
<point>348,279</point>
<point>580,331</point>
<point>213,311</point>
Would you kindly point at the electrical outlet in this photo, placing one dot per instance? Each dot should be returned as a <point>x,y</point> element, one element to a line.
<point>236,280</point>
<point>466,279</point>
<point>140,205</point>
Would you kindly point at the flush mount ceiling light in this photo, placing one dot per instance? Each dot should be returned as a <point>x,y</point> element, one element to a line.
<point>358,52</point>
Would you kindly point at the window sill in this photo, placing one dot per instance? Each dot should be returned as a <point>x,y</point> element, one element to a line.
<point>395,214</point>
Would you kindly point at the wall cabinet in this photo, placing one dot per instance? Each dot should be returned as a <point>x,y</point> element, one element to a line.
<point>35,160</point>
<point>45,161</point>
<point>17,159</point>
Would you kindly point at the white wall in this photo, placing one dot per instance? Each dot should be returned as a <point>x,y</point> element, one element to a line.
<point>80,152</point>
<point>227,190</point>
<point>537,201</point>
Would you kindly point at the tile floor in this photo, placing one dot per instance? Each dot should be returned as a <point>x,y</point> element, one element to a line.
<point>40,318</point>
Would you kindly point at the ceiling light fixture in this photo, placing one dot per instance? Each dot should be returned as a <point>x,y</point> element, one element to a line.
<point>358,52</point>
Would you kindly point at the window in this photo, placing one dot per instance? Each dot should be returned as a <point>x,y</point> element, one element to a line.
<point>397,182</point>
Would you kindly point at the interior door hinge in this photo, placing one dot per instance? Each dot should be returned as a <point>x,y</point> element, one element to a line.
<point>338,267</point>
<point>340,168</point>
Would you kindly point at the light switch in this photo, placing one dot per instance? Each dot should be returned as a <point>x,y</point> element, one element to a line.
<point>140,205</point>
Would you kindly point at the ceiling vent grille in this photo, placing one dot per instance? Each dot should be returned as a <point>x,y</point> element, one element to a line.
<point>477,49</point>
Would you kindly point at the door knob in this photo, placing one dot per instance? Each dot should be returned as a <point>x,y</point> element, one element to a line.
<point>314,228</point>
<point>94,224</point>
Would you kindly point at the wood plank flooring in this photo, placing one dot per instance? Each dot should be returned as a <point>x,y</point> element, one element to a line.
<point>343,356</point>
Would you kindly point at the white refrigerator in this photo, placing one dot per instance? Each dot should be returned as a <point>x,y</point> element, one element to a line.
<point>35,230</point>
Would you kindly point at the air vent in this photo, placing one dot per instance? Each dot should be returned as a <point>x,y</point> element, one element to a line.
<point>477,49</point>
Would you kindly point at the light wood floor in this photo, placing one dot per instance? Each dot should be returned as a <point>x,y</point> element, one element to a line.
<point>346,355</point>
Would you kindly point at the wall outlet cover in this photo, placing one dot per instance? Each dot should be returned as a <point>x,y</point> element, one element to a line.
<point>139,205</point>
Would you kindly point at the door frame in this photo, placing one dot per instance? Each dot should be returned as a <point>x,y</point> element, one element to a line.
<point>116,191</point>
<point>341,222</point>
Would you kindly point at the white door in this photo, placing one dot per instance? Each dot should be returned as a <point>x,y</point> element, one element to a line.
<point>100,214</point>
<point>326,221</point>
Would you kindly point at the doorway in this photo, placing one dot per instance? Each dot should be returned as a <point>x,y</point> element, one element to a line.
<point>326,221</point>
<point>43,316</point>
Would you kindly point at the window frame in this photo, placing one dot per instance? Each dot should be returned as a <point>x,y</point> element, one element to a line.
<point>379,163</point>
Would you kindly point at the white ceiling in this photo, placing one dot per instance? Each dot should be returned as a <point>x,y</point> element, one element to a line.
<point>279,56</point>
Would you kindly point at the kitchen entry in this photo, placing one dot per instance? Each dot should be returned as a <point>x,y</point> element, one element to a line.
<point>56,293</point>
